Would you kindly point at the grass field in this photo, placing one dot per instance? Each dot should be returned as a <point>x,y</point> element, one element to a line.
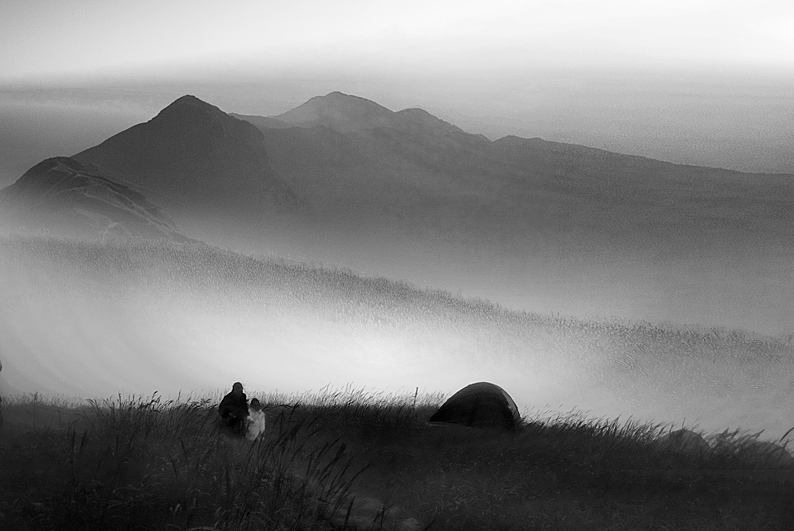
<point>352,459</point>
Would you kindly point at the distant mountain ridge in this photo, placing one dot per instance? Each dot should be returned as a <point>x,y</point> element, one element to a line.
<point>346,149</point>
<point>63,196</point>
<point>344,163</point>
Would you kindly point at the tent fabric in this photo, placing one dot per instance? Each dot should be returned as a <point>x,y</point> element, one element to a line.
<point>481,405</point>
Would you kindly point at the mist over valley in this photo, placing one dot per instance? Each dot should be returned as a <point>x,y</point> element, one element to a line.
<point>98,319</point>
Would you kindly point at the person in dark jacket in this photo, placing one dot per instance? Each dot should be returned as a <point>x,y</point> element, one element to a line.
<point>233,410</point>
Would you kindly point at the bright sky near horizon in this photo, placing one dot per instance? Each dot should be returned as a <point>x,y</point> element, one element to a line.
<point>44,39</point>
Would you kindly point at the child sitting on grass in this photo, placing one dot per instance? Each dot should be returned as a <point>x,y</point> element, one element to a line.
<point>256,420</point>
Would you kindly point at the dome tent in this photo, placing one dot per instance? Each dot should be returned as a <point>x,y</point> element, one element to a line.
<point>480,405</point>
<point>684,440</point>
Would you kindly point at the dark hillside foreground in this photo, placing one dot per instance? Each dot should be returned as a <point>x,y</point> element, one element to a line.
<point>94,319</point>
<point>355,460</point>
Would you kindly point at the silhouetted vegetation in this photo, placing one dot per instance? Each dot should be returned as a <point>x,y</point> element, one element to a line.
<point>150,463</point>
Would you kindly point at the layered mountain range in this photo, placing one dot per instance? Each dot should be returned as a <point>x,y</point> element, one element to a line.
<point>342,179</point>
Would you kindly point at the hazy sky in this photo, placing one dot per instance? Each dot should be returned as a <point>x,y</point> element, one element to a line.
<point>44,38</point>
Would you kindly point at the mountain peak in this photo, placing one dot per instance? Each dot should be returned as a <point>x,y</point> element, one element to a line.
<point>339,111</point>
<point>346,112</point>
<point>189,104</point>
<point>198,123</point>
<point>192,153</point>
<point>58,171</point>
<point>74,200</point>
<point>351,100</point>
<point>187,99</point>
<point>48,164</point>
<point>339,94</point>
<point>45,169</point>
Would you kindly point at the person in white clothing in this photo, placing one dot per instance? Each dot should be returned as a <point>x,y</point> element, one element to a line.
<point>256,420</point>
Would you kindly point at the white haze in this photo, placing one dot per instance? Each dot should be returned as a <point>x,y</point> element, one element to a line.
<point>97,321</point>
<point>62,335</point>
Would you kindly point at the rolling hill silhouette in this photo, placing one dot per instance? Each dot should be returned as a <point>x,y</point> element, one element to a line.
<point>66,198</point>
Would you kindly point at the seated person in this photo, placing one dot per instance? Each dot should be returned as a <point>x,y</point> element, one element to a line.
<point>256,420</point>
<point>233,410</point>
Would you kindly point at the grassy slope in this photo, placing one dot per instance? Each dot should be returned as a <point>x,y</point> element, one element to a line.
<point>150,464</point>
